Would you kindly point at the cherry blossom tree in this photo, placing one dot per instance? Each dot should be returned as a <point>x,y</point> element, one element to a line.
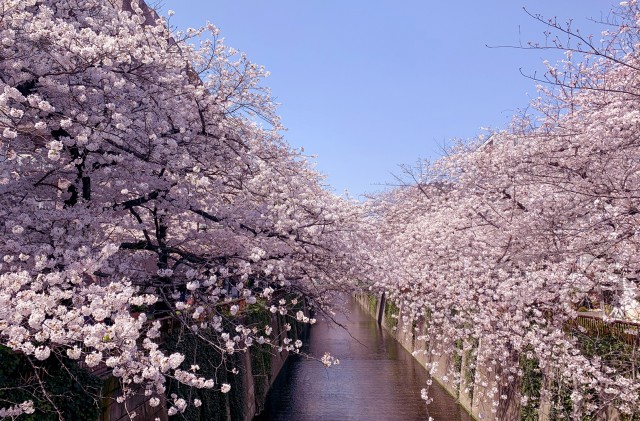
<point>145,169</point>
<point>500,241</point>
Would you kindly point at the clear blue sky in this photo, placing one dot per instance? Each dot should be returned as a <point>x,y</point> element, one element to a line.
<point>367,85</point>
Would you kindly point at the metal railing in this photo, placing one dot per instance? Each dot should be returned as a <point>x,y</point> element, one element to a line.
<point>595,325</point>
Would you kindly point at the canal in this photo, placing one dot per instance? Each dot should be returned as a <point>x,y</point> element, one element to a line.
<point>376,379</point>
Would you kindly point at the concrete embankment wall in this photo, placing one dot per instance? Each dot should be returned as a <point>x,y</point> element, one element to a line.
<point>257,368</point>
<point>476,389</point>
<point>475,382</point>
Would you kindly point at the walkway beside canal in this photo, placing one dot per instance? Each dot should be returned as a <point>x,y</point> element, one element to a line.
<point>376,378</point>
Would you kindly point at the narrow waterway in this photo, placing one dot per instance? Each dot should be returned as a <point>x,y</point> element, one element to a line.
<point>375,380</point>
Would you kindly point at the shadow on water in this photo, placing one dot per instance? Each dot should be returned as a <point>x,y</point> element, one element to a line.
<point>375,380</point>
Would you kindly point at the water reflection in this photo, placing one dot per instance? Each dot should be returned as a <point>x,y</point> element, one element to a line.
<point>376,379</point>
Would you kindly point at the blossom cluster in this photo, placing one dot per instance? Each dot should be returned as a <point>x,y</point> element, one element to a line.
<point>145,176</point>
<point>496,246</point>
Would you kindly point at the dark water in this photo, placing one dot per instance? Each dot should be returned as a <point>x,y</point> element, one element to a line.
<point>375,380</point>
